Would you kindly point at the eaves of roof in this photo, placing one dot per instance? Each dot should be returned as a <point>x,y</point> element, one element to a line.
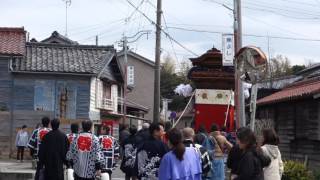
<point>298,90</point>
<point>137,56</point>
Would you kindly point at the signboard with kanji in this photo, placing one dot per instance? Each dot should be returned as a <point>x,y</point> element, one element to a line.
<point>227,49</point>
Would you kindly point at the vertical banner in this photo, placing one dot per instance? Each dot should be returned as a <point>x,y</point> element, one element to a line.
<point>227,49</point>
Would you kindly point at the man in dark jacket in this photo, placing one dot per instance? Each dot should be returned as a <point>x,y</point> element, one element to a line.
<point>150,153</point>
<point>143,134</point>
<point>234,158</point>
<point>52,152</point>
<point>124,134</point>
<point>129,156</point>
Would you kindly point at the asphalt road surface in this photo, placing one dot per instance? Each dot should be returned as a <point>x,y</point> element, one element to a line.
<point>118,175</point>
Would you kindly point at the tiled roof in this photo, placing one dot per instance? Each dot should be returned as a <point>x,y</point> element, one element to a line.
<point>298,90</point>
<point>137,56</point>
<point>59,39</point>
<point>278,83</point>
<point>12,41</point>
<point>57,58</point>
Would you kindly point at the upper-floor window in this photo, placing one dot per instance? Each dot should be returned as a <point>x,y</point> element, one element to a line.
<point>130,75</point>
<point>44,95</point>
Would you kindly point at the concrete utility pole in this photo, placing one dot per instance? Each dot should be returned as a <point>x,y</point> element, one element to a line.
<point>125,49</point>
<point>239,96</point>
<point>125,42</point>
<point>156,109</point>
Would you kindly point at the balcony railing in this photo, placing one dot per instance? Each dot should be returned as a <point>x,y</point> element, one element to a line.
<point>107,104</point>
<point>120,101</point>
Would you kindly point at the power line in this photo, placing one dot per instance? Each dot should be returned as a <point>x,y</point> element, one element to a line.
<point>199,25</point>
<point>251,35</point>
<point>278,12</point>
<point>97,26</point>
<point>284,8</point>
<point>108,30</point>
<point>281,14</point>
<point>270,9</point>
<point>168,35</point>
<point>300,3</point>
<point>274,26</point>
<point>130,16</point>
<point>294,3</point>
<point>194,30</point>
<point>165,23</point>
<point>140,26</point>
<point>286,30</point>
<point>154,6</point>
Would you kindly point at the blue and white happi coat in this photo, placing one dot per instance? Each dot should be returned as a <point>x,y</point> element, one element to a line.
<point>111,151</point>
<point>36,138</point>
<point>85,154</point>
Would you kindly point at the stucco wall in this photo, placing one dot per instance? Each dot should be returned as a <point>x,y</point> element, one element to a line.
<point>143,91</point>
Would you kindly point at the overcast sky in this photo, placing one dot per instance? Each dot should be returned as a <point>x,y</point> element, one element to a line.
<point>281,20</point>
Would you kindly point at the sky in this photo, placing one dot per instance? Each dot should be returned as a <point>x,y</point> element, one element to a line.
<point>279,27</point>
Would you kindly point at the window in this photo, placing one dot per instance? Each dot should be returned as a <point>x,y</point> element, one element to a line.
<point>130,75</point>
<point>66,100</point>
<point>44,95</point>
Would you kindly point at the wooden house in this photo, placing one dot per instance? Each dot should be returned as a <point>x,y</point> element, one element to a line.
<point>58,78</point>
<point>294,112</point>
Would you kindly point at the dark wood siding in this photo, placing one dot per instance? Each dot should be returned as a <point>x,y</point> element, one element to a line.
<point>298,126</point>
<point>5,105</point>
<point>5,85</point>
<point>23,94</point>
<point>83,100</point>
<point>25,112</point>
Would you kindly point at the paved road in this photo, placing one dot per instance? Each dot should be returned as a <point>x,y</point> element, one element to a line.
<point>118,175</point>
<point>12,167</point>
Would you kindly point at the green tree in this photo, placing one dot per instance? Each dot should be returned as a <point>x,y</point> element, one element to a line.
<point>169,79</point>
<point>297,68</point>
<point>279,66</point>
<point>172,76</point>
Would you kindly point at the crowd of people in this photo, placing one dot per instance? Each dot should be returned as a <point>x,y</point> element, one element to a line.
<point>157,151</point>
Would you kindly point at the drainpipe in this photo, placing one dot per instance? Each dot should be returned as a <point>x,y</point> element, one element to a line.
<point>11,114</point>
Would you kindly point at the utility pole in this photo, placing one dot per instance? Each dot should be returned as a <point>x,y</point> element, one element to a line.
<point>125,42</point>
<point>125,49</point>
<point>156,109</point>
<point>239,96</point>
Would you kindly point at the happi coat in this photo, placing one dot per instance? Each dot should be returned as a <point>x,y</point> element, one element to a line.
<point>85,155</point>
<point>111,151</point>
<point>71,137</point>
<point>129,155</point>
<point>36,138</point>
<point>148,160</point>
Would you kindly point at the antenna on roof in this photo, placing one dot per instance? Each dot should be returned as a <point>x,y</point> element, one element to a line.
<point>68,3</point>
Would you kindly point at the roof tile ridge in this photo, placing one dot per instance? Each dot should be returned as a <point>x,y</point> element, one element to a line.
<point>81,46</point>
<point>303,83</point>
